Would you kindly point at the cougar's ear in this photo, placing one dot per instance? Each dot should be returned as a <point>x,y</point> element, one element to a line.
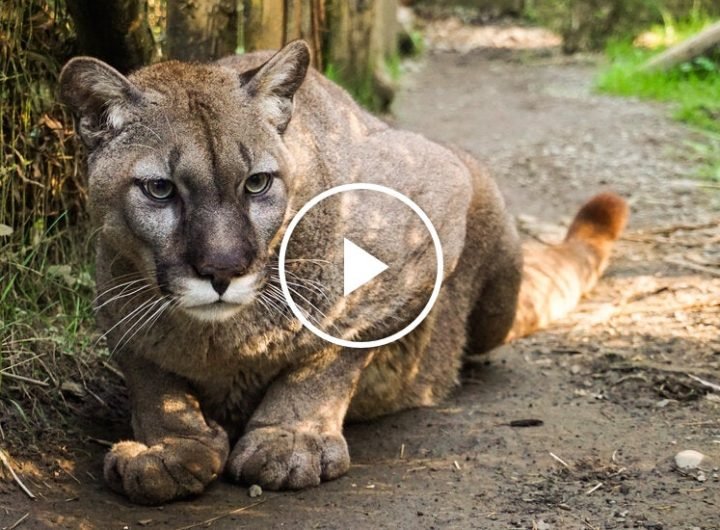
<point>101,98</point>
<point>274,84</point>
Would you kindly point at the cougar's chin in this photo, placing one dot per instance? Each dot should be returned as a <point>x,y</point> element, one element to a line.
<point>201,301</point>
<point>215,312</point>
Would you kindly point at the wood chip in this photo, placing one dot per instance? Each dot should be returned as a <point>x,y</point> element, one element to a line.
<point>6,462</point>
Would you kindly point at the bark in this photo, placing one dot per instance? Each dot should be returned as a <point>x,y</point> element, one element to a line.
<point>362,35</point>
<point>305,19</point>
<point>351,39</point>
<point>264,24</point>
<point>201,30</point>
<point>269,24</point>
<point>116,31</point>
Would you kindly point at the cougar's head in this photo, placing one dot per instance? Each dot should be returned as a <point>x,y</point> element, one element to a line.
<point>188,170</point>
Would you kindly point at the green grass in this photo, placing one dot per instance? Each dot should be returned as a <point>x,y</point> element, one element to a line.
<point>46,326</point>
<point>364,87</point>
<point>692,88</point>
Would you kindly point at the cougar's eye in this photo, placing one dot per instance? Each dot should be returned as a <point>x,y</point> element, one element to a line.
<point>258,183</point>
<point>159,189</point>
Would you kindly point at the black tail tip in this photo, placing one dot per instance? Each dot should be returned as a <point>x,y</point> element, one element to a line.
<point>603,216</point>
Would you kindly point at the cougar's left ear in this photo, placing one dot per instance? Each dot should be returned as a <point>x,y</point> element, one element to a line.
<point>101,98</point>
<point>274,84</point>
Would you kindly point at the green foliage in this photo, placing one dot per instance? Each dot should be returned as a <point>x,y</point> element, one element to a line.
<point>591,24</point>
<point>374,89</point>
<point>693,88</point>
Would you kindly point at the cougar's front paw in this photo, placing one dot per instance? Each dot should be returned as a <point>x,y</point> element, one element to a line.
<point>283,458</point>
<point>176,468</point>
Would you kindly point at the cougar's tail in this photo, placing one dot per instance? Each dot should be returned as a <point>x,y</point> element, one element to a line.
<point>555,277</point>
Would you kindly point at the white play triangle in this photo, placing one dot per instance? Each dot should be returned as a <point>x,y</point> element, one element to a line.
<point>359,267</point>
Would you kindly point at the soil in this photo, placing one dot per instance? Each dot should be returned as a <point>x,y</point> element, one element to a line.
<point>574,427</point>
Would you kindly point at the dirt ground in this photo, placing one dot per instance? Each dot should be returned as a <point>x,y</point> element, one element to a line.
<point>618,388</point>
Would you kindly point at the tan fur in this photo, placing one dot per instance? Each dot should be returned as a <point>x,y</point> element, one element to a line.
<point>555,278</point>
<point>238,385</point>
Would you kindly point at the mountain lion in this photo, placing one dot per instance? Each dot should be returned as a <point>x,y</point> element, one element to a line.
<point>195,172</point>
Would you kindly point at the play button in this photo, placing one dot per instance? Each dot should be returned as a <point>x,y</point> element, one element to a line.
<point>359,267</point>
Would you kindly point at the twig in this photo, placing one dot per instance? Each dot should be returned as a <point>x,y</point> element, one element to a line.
<point>18,522</point>
<point>676,227</point>
<point>667,308</point>
<point>6,463</point>
<point>20,363</point>
<point>25,379</point>
<point>649,366</point>
<point>692,266</point>
<point>114,370</point>
<point>100,441</point>
<point>210,521</point>
<point>583,521</point>
<point>594,488</point>
<point>710,186</point>
<point>708,384</point>
<point>564,464</point>
<point>72,476</point>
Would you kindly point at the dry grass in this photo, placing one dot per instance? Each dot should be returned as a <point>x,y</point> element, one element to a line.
<point>45,285</point>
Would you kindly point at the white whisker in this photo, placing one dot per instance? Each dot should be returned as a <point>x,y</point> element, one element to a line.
<point>140,319</point>
<point>122,295</point>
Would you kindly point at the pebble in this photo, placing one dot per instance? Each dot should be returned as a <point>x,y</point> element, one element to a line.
<point>689,459</point>
<point>254,491</point>
<point>662,403</point>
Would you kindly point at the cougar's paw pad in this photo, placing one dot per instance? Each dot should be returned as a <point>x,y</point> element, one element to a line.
<point>163,472</point>
<point>282,458</point>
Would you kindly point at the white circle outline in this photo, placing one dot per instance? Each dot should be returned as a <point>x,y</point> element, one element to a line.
<point>438,255</point>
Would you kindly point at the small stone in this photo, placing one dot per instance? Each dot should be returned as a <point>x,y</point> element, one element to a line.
<point>254,491</point>
<point>701,477</point>
<point>689,459</point>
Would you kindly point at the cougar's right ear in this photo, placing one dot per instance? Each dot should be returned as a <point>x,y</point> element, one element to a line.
<point>274,84</point>
<point>101,98</point>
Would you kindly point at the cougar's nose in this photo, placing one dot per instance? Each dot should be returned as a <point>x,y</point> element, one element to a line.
<point>220,274</point>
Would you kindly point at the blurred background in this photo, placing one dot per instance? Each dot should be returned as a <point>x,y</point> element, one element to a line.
<point>46,262</point>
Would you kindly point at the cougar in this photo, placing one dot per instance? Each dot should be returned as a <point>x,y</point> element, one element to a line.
<point>195,172</point>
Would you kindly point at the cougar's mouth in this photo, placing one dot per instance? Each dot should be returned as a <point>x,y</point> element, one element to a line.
<point>218,311</point>
<point>201,300</point>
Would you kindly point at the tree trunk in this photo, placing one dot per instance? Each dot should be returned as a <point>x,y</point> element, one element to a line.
<point>305,19</point>
<point>201,30</point>
<point>269,24</point>
<point>264,24</point>
<point>362,36</point>
<point>350,40</point>
<point>116,31</point>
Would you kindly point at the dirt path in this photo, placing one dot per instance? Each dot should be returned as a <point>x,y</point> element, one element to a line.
<point>609,384</point>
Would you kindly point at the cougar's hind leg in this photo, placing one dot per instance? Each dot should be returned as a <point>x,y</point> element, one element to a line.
<point>494,312</point>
